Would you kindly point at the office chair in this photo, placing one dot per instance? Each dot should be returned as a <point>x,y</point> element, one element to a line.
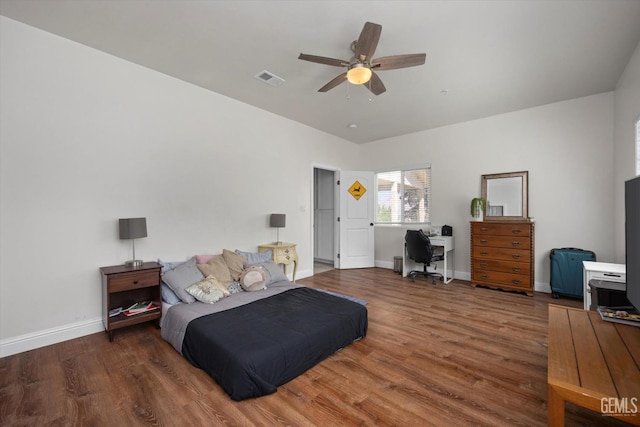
<point>418,248</point>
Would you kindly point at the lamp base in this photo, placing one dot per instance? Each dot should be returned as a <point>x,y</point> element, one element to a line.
<point>277,243</point>
<point>133,263</point>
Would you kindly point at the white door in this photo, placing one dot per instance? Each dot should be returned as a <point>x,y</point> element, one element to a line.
<point>356,199</point>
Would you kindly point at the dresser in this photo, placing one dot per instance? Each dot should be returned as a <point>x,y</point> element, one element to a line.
<point>282,253</point>
<point>502,255</point>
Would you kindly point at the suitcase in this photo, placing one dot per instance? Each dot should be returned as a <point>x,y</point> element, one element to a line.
<point>567,272</point>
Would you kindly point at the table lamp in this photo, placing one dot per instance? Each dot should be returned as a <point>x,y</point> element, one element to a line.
<point>278,221</point>
<point>133,228</point>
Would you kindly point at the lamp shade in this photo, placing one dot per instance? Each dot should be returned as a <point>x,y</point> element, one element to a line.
<point>132,228</point>
<point>359,74</point>
<point>278,220</point>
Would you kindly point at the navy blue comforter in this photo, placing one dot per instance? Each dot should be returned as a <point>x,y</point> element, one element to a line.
<point>252,349</point>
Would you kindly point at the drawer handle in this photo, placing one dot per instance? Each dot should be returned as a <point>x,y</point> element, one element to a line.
<point>485,229</point>
<point>286,251</point>
<point>484,265</point>
<point>516,281</point>
<point>484,253</point>
<point>135,282</point>
<point>516,231</point>
<point>516,269</point>
<point>484,241</point>
<point>515,243</point>
<point>516,256</point>
<point>484,276</point>
<point>611,275</point>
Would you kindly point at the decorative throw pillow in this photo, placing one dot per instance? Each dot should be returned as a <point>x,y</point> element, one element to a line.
<point>203,259</point>
<point>217,268</point>
<point>253,278</point>
<point>235,287</point>
<point>209,290</point>
<point>235,262</point>
<point>255,257</point>
<point>181,277</point>
<point>169,265</point>
<point>273,272</point>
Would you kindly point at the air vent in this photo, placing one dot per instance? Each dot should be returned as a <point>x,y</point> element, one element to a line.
<point>269,78</point>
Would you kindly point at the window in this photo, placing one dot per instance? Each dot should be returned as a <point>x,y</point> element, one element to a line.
<point>404,196</point>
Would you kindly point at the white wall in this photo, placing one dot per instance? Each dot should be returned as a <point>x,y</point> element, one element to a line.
<point>627,112</point>
<point>567,147</point>
<point>87,138</point>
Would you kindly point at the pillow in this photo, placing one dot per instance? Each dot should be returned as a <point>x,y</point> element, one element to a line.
<point>217,268</point>
<point>256,257</point>
<point>166,266</point>
<point>203,259</point>
<point>273,272</point>
<point>235,287</point>
<point>181,277</point>
<point>235,262</point>
<point>168,295</point>
<point>253,278</point>
<point>209,290</point>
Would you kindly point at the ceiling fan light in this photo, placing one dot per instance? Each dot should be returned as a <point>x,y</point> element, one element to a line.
<point>359,74</point>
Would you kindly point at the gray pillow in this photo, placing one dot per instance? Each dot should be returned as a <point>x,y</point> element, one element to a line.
<point>273,272</point>
<point>181,277</point>
<point>255,257</point>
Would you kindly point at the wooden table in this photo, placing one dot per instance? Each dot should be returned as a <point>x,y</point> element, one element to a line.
<point>594,364</point>
<point>282,253</point>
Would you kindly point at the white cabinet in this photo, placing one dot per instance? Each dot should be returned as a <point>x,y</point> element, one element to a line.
<point>601,271</point>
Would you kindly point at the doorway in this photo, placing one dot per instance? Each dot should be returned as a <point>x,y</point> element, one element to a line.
<point>324,214</point>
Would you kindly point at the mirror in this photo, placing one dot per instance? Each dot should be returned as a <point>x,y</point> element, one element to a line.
<point>506,195</point>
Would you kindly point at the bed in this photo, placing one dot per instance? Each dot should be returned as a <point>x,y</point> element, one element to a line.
<point>252,342</point>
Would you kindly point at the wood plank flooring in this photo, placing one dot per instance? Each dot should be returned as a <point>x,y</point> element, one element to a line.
<point>434,355</point>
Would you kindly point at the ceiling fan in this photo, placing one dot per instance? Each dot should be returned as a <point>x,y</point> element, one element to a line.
<point>361,68</point>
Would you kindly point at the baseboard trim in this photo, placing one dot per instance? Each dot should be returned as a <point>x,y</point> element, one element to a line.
<point>50,336</point>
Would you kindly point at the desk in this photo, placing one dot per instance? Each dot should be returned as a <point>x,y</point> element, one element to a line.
<point>600,271</point>
<point>446,242</point>
<point>592,363</point>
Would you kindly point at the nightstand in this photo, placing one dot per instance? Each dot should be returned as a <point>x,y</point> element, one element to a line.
<point>123,286</point>
<point>283,253</point>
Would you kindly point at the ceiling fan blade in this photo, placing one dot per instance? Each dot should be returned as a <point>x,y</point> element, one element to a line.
<point>375,85</point>
<point>398,61</point>
<point>323,60</point>
<point>333,83</point>
<point>368,40</point>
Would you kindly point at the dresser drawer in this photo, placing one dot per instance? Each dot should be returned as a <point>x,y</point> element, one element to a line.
<point>128,281</point>
<point>502,229</point>
<point>519,255</point>
<point>497,278</point>
<point>514,242</point>
<point>482,265</point>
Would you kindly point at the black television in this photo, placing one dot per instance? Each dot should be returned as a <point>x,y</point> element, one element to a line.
<point>632,239</point>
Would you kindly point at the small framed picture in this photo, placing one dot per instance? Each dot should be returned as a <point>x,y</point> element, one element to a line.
<point>436,230</point>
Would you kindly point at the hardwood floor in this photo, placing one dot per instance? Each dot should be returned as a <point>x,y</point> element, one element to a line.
<point>434,355</point>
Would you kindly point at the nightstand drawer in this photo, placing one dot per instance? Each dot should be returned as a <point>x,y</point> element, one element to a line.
<point>282,255</point>
<point>128,281</point>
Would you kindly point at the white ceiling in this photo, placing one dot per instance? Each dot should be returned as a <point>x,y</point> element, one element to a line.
<point>483,57</point>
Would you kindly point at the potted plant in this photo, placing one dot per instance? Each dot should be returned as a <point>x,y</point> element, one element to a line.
<point>478,207</point>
